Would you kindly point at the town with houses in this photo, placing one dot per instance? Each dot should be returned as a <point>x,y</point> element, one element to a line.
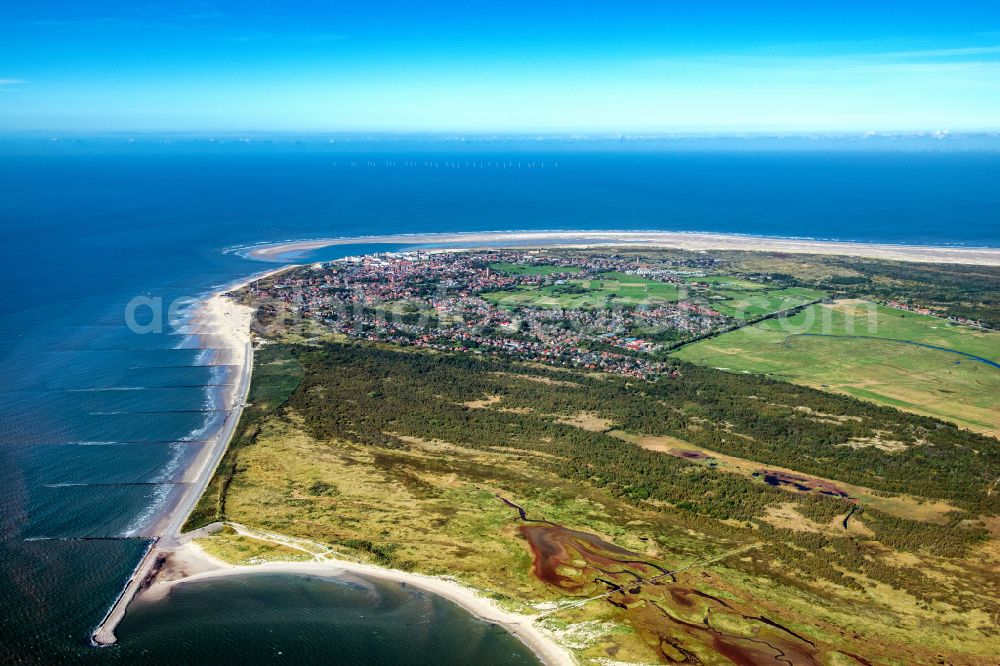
<point>459,301</point>
<point>604,312</point>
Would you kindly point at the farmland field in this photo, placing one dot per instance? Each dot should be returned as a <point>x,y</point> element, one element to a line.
<point>876,366</point>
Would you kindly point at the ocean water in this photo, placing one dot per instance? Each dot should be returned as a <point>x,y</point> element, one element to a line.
<point>97,422</point>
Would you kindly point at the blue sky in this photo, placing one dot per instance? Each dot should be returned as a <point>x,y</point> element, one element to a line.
<point>511,66</point>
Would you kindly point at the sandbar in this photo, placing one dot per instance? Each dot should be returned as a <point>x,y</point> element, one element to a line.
<point>696,241</point>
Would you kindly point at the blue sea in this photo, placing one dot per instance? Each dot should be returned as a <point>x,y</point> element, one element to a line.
<point>97,422</point>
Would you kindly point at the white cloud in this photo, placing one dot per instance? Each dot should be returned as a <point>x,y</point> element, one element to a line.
<point>10,82</point>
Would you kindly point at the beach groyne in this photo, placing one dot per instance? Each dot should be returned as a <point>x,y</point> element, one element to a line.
<point>232,325</point>
<point>105,632</point>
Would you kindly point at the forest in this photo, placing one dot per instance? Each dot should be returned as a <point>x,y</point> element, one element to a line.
<point>772,422</point>
<point>376,395</point>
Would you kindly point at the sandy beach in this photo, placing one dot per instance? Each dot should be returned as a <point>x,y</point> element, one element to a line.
<point>288,251</point>
<point>188,562</point>
<point>227,326</point>
<point>224,325</point>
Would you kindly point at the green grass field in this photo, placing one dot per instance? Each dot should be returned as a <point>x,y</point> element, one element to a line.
<point>863,318</point>
<point>918,379</point>
<point>536,269</point>
<point>584,294</point>
<point>725,281</point>
<point>745,303</point>
<point>731,296</point>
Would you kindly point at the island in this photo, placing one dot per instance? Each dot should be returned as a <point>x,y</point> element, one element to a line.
<point>627,454</point>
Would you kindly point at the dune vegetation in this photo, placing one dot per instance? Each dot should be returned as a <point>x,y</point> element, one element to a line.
<point>791,494</point>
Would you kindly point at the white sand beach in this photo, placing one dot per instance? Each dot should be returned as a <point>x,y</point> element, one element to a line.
<point>666,239</point>
<point>229,324</point>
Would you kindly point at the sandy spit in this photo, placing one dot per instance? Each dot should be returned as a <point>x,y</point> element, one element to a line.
<point>667,239</point>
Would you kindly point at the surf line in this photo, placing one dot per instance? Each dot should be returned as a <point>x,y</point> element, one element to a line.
<point>167,537</point>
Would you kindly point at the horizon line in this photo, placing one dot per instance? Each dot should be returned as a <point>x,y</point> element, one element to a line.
<point>567,135</point>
